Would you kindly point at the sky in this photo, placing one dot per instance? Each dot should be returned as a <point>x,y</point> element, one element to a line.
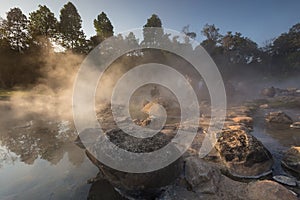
<point>259,20</point>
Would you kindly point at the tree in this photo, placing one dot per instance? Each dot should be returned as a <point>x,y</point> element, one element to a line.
<point>239,49</point>
<point>186,30</point>
<point>42,23</point>
<point>189,34</point>
<point>286,51</point>
<point>72,37</point>
<point>131,39</point>
<point>211,33</point>
<point>103,27</point>
<point>212,37</point>
<point>152,36</point>
<point>16,29</point>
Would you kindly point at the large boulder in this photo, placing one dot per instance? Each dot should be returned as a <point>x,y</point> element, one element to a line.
<point>242,154</point>
<point>291,159</point>
<point>268,190</point>
<point>204,180</point>
<point>203,177</point>
<point>148,185</point>
<point>279,118</point>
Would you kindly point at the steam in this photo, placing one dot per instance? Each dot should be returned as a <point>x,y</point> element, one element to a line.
<point>50,98</point>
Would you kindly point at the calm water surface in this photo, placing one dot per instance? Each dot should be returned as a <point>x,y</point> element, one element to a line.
<point>42,162</point>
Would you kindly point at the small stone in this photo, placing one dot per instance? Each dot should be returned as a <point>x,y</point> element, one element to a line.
<point>248,121</point>
<point>264,106</point>
<point>285,180</point>
<point>295,125</point>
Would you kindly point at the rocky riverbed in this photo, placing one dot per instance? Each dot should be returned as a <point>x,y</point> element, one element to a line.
<point>239,166</point>
<point>256,156</point>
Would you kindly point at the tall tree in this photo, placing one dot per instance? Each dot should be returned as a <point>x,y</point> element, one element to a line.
<point>151,35</point>
<point>103,26</point>
<point>286,51</point>
<point>72,36</point>
<point>42,22</point>
<point>16,29</point>
<point>131,40</point>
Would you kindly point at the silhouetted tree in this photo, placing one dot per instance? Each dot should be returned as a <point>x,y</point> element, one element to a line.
<point>186,30</point>
<point>212,38</point>
<point>239,49</point>
<point>16,29</point>
<point>286,51</point>
<point>103,26</point>
<point>42,22</point>
<point>152,36</point>
<point>72,37</point>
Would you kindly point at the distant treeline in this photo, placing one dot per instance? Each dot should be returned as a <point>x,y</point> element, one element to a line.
<point>26,42</point>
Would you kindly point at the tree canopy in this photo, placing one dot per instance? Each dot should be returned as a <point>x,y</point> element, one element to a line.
<point>70,28</point>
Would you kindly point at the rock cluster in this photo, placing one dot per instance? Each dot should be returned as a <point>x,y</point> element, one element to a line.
<point>278,117</point>
<point>291,159</point>
<point>237,156</point>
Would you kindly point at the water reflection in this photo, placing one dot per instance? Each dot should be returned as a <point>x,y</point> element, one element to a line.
<point>277,139</point>
<point>277,136</point>
<point>39,160</point>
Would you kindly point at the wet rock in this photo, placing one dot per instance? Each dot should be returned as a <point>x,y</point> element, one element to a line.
<point>295,125</point>
<point>101,190</point>
<point>178,193</point>
<point>279,118</point>
<point>171,107</point>
<point>268,92</point>
<point>243,155</point>
<point>203,177</point>
<point>268,190</point>
<point>146,185</point>
<point>291,159</point>
<point>240,111</point>
<point>205,181</point>
<point>285,180</point>
<point>264,106</point>
<point>248,121</point>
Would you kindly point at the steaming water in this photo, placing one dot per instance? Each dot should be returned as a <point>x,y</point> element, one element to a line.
<point>277,139</point>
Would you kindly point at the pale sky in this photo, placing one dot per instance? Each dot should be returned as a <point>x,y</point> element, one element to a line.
<point>259,20</point>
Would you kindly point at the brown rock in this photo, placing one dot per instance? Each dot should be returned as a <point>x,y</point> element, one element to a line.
<point>279,118</point>
<point>248,121</point>
<point>203,177</point>
<point>243,155</point>
<point>268,190</point>
<point>291,159</point>
<point>142,184</point>
<point>268,92</point>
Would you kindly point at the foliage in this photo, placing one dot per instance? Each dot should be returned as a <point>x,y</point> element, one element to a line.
<point>42,22</point>
<point>103,26</point>
<point>71,35</point>
<point>23,45</point>
<point>152,36</point>
<point>16,29</point>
